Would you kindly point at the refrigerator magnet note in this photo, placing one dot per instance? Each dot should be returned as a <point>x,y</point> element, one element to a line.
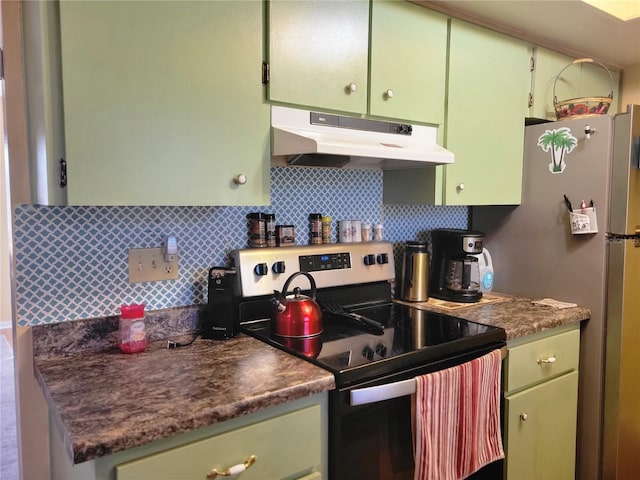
<point>583,220</point>
<point>558,143</point>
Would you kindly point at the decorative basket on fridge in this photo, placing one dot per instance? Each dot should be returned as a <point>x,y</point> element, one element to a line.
<point>582,106</point>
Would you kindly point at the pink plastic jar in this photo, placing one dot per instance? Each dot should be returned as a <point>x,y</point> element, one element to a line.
<point>132,337</point>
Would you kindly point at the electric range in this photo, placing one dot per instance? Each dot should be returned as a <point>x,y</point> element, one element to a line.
<point>360,278</point>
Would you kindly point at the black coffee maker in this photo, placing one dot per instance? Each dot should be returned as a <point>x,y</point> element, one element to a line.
<point>454,272</point>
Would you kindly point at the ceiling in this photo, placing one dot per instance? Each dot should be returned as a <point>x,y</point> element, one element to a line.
<point>569,26</point>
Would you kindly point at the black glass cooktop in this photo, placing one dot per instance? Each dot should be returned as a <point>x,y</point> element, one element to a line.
<point>411,337</point>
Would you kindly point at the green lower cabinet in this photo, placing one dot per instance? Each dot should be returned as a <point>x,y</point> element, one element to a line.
<point>540,435</point>
<point>289,441</point>
<point>541,404</point>
<point>267,450</point>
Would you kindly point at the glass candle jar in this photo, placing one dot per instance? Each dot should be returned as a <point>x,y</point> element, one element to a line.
<point>132,337</point>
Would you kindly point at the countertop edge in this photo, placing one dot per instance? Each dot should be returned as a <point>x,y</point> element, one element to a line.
<point>83,452</point>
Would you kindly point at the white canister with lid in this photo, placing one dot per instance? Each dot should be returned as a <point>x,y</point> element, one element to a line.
<point>356,231</point>
<point>345,231</point>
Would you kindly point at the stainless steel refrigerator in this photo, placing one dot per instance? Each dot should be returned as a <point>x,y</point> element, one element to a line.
<point>538,252</point>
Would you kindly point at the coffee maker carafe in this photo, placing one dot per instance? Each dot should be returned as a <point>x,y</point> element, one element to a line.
<point>455,274</point>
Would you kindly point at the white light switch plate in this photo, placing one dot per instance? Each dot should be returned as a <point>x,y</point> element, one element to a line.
<point>148,265</point>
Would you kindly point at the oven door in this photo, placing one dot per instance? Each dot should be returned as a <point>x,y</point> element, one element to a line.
<point>374,441</point>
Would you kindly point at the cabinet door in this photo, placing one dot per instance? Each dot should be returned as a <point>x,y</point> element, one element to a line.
<point>581,80</point>
<point>541,430</point>
<point>408,62</point>
<point>486,110</point>
<point>288,446</point>
<point>163,103</point>
<point>318,53</point>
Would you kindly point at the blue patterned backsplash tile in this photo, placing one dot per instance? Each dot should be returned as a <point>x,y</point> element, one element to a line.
<point>72,262</point>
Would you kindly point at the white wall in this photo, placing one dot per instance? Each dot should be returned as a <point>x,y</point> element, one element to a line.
<point>33,430</point>
<point>630,90</point>
<point>5,279</point>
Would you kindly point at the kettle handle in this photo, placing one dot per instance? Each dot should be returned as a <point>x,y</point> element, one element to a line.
<point>285,289</point>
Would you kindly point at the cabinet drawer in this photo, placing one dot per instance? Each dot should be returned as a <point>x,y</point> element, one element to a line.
<point>536,361</point>
<point>287,446</point>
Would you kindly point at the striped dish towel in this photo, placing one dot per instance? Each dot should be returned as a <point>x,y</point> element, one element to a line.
<point>457,419</point>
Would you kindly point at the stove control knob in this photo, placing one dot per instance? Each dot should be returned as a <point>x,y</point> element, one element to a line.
<point>261,269</point>
<point>382,258</point>
<point>381,350</point>
<point>370,259</point>
<point>367,352</point>
<point>278,267</point>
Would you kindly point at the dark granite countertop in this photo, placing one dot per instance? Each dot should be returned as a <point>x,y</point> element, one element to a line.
<point>519,316</point>
<point>131,400</point>
<point>105,401</point>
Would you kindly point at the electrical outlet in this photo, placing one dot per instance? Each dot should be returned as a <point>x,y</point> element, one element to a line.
<point>149,265</point>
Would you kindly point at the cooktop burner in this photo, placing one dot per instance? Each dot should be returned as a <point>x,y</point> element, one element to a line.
<point>411,337</point>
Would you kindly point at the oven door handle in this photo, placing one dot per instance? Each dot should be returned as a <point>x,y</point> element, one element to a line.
<point>362,396</point>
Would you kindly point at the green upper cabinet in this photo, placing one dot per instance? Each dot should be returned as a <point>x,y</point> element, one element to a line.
<point>487,92</point>
<point>579,80</point>
<point>487,104</point>
<point>408,62</point>
<point>326,55</point>
<point>163,103</point>
<point>318,53</point>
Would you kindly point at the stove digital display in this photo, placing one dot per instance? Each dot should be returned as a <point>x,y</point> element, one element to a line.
<point>325,261</point>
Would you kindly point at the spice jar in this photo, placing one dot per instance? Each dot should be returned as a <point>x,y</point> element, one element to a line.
<point>366,232</point>
<point>270,229</point>
<point>132,337</point>
<point>377,232</point>
<point>315,228</point>
<point>326,229</point>
<point>257,230</point>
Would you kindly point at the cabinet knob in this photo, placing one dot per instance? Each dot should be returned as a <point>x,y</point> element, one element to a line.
<point>233,470</point>
<point>388,93</point>
<point>460,187</point>
<point>543,361</point>
<point>524,416</point>
<point>240,179</point>
<point>352,88</point>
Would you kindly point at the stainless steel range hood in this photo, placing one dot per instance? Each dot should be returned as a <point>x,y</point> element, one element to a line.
<point>311,138</point>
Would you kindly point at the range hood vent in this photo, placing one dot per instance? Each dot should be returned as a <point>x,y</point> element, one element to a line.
<point>319,139</point>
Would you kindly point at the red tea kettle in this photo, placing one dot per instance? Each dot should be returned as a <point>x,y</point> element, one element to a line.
<point>296,315</point>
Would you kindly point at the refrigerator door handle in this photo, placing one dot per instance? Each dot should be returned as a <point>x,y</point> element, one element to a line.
<point>621,237</point>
